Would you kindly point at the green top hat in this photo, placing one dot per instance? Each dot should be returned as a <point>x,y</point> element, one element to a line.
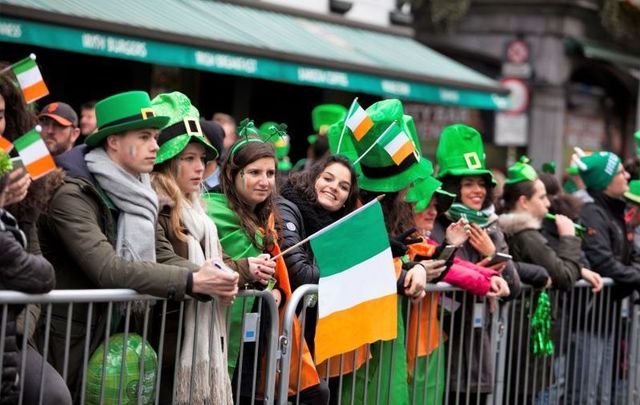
<point>322,117</point>
<point>521,171</point>
<point>598,169</point>
<point>461,153</point>
<point>124,112</point>
<point>183,127</point>
<point>633,194</point>
<point>422,190</point>
<point>376,170</point>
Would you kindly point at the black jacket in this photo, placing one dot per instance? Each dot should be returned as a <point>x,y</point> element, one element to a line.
<point>19,271</point>
<point>608,250</point>
<point>300,261</point>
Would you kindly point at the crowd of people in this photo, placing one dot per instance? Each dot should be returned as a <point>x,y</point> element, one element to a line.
<point>150,196</point>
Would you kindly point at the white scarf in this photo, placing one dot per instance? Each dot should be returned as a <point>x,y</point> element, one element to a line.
<point>135,199</point>
<point>205,322</point>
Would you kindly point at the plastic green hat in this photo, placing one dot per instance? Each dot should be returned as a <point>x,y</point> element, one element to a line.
<point>422,191</point>
<point>461,153</point>
<point>322,117</point>
<point>183,127</point>
<point>633,194</point>
<point>376,170</point>
<point>521,171</point>
<point>134,350</point>
<point>124,112</point>
<point>549,167</point>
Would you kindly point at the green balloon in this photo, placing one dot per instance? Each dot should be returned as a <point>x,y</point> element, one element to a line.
<point>132,371</point>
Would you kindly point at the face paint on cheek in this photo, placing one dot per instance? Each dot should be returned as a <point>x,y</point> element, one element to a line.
<point>133,151</point>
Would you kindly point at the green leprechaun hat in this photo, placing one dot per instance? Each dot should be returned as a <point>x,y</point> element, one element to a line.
<point>423,190</point>
<point>461,153</point>
<point>376,168</point>
<point>521,171</point>
<point>124,112</point>
<point>633,194</point>
<point>323,116</point>
<point>183,127</point>
<point>598,169</point>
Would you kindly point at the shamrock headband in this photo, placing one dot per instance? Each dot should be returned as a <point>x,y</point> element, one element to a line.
<point>248,132</point>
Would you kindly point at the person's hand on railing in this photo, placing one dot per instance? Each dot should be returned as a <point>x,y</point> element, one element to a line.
<point>211,280</point>
<point>262,268</point>
<point>549,283</point>
<point>277,296</point>
<point>415,282</point>
<point>499,287</point>
<point>592,278</point>
<point>434,268</point>
<point>481,241</point>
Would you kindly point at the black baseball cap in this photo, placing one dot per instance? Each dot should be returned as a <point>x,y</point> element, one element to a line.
<point>60,112</point>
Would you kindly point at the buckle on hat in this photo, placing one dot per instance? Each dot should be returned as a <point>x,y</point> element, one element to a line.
<point>192,126</point>
<point>147,113</point>
<point>473,161</point>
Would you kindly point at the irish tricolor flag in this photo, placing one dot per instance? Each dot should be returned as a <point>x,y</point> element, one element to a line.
<point>34,153</point>
<point>358,120</point>
<point>30,79</point>
<point>397,143</point>
<point>357,298</point>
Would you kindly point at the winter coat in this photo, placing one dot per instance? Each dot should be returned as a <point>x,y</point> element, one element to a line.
<point>78,237</point>
<point>609,251</point>
<point>528,245</point>
<point>481,336</point>
<point>19,271</point>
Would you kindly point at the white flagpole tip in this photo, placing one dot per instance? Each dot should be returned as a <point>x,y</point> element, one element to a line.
<point>32,56</point>
<point>38,128</point>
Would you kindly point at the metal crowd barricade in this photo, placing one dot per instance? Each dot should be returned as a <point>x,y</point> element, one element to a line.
<point>485,356</point>
<point>126,312</point>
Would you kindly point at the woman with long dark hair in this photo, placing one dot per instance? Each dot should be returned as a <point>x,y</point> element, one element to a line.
<point>245,216</point>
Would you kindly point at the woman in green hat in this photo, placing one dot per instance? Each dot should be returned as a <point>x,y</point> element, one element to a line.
<point>462,170</point>
<point>245,216</point>
<point>177,179</point>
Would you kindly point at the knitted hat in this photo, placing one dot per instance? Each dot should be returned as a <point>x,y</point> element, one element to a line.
<point>422,190</point>
<point>633,195</point>
<point>461,153</point>
<point>521,171</point>
<point>376,170</point>
<point>323,116</point>
<point>124,112</point>
<point>183,127</point>
<point>598,169</point>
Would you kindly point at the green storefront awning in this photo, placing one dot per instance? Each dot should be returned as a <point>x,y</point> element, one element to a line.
<point>241,40</point>
<point>596,50</point>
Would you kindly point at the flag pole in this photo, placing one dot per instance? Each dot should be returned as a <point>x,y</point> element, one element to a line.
<point>308,238</point>
<point>345,124</point>
<point>372,145</point>
<point>8,68</point>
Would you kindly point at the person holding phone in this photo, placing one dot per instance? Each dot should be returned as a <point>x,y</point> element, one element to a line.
<point>462,170</point>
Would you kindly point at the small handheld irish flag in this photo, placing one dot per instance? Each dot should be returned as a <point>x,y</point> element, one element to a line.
<point>397,143</point>
<point>358,121</point>
<point>34,153</point>
<point>30,79</point>
<point>357,298</point>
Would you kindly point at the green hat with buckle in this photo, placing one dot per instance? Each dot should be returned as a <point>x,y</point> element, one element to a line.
<point>124,112</point>
<point>461,153</point>
<point>323,116</point>
<point>182,128</point>
<point>633,194</point>
<point>521,171</point>
<point>423,190</point>
<point>376,169</point>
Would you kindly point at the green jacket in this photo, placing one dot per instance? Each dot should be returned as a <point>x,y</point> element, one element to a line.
<point>78,237</point>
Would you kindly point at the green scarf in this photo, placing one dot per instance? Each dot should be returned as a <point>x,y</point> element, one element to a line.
<point>457,211</point>
<point>237,244</point>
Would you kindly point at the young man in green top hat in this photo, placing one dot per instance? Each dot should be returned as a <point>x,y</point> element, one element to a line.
<point>101,231</point>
